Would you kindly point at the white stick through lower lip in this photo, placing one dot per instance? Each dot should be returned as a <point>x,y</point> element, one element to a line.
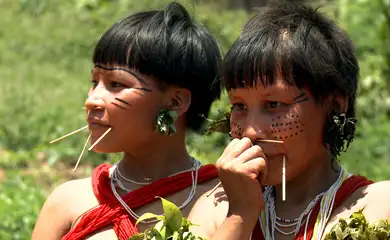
<point>284,179</point>
<point>99,139</point>
<point>67,135</point>
<point>82,152</point>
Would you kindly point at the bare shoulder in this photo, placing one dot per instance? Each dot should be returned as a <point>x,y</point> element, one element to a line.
<point>61,207</point>
<point>378,197</point>
<point>209,211</point>
<point>373,199</point>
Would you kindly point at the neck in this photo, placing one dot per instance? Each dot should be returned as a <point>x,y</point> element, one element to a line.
<point>303,189</point>
<point>163,157</point>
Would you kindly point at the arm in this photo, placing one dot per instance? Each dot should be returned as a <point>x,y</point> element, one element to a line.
<point>54,219</point>
<point>208,213</point>
<point>216,223</point>
<point>235,227</point>
<point>241,168</point>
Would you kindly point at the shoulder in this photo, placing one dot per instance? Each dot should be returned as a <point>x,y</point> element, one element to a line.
<point>70,190</point>
<point>61,207</point>
<point>373,198</point>
<point>66,195</point>
<point>210,210</point>
<point>378,198</point>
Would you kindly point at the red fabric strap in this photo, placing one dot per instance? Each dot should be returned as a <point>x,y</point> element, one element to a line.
<point>110,211</point>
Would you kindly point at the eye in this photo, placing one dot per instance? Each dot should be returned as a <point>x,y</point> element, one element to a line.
<point>273,104</point>
<point>117,85</point>
<point>238,107</point>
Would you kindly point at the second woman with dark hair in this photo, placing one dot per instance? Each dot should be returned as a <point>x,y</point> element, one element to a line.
<point>292,78</point>
<point>152,81</point>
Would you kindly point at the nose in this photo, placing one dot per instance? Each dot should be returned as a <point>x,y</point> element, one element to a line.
<point>254,130</point>
<point>94,103</point>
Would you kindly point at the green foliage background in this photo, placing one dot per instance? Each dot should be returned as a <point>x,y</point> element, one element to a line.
<point>45,52</point>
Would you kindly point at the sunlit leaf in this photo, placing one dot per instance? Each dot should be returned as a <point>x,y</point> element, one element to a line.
<point>173,215</point>
<point>145,217</point>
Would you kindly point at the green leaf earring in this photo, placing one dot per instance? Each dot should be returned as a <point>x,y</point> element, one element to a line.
<point>165,122</point>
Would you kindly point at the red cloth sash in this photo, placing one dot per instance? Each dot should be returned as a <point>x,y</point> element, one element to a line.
<point>111,213</point>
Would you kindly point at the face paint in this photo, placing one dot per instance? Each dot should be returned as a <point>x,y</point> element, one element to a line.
<point>301,98</point>
<point>120,105</point>
<point>235,130</point>
<point>129,72</point>
<point>287,127</point>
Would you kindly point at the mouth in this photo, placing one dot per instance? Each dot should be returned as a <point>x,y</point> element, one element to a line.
<point>271,148</point>
<point>97,124</point>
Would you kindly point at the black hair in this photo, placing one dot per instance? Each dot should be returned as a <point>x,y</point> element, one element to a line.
<point>173,48</point>
<point>307,49</point>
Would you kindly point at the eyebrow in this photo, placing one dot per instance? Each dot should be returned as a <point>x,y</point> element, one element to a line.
<point>121,69</point>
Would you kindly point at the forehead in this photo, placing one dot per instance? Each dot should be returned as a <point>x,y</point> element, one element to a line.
<point>111,70</point>
<point>279,87</point>
<point>122,71</point>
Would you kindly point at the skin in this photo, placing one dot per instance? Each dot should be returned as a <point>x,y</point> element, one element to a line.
<point>258,113</point>
<point>128,102</point>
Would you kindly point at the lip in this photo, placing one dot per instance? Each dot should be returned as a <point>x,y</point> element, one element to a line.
<point>95,123</point>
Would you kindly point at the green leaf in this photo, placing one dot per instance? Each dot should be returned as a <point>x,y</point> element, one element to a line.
<point>138,236</point>
<point>176,236</point>
<point>173,215</point>
<point>154,234</point>
<point>356,227</point>
<point>146,216</point>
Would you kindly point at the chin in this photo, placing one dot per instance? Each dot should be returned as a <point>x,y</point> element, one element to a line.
<point>273,180</point>
<point>104,148</point>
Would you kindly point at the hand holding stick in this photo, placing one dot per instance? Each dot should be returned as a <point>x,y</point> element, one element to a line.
<point>283,171</point>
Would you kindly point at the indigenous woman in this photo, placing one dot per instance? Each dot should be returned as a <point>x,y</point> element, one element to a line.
<point>152,81</point>
<point>292,77</point>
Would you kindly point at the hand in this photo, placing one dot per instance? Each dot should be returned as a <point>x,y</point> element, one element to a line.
<point>242,168</point>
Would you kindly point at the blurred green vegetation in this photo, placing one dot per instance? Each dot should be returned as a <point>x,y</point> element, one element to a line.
<point>45,52</point>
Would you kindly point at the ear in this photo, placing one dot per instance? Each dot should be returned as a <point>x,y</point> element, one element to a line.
<point>179,100</point>
<point>340,103</point>
<point>336,103</point>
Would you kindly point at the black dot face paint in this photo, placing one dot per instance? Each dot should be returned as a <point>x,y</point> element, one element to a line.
<point>235,130</point>
<point>290,125</point>
<point>287,127</point>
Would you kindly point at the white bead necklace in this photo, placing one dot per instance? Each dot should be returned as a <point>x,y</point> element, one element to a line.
<point>277,223</point>
<point>115,181</point>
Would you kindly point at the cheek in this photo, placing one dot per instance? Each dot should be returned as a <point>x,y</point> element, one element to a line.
<point>287,127</point>
<point>235,128</point>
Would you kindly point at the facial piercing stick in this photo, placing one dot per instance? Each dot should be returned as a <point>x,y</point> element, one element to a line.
<point>99,139</point>
<point>67,135</point>
<point>284,179</point>
<point>82,152</point>
<point>260,141</point>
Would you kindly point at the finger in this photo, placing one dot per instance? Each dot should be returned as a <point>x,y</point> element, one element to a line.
<point>258,167</point>
<point>230,146</point>
<point>253,152</point>
<point>227,151</point>
<point>240,147</point>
